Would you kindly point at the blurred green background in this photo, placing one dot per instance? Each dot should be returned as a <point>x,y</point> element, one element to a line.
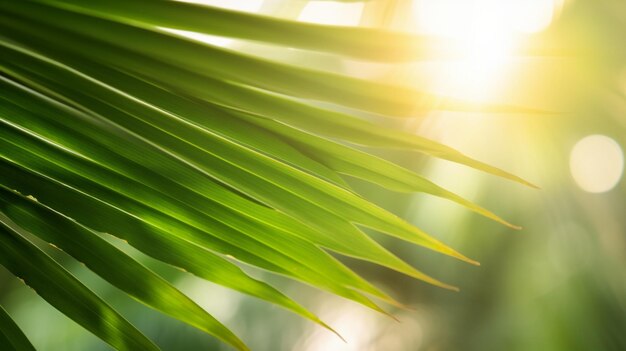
<point>558,284</point>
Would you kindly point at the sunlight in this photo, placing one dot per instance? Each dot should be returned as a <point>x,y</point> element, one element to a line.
<point>238,5</point>
<point>356,325</point>
<point>486,33</point>
<point>531,16</point>
<point>597,163</point>
<point>332,13</point>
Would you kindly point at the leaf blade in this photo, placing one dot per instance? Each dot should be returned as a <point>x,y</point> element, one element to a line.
<point>11,336</point>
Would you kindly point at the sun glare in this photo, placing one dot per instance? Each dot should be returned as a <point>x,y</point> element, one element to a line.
<point>485,33</point>
<point>238,5</point>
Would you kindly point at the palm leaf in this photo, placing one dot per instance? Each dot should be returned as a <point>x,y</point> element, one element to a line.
<point>195,154</point>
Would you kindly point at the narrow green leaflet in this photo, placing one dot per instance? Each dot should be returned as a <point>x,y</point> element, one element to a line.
<point>365,43</point>
<point>362,165</point>
<point>66,293</point>
<point>11,337</point>
<point>110,263</point>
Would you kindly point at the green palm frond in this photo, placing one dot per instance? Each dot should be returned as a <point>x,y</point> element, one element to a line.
<point>196,155</point>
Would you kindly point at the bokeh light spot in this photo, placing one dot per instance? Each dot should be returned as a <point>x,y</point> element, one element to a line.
<point>597,163</point>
